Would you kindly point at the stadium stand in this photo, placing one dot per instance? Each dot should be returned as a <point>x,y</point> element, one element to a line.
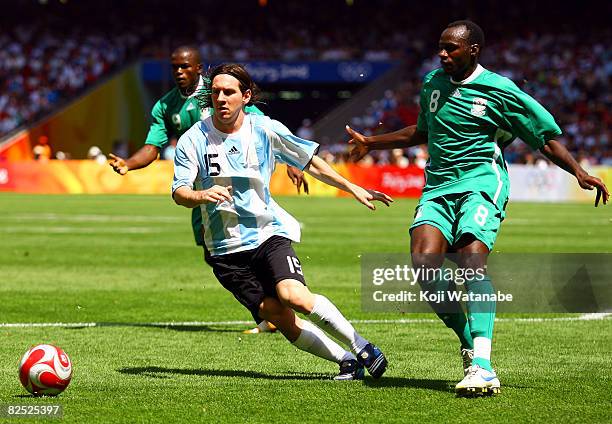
<point>573,82</point>
<point>46,63</point>
<point>41,70</point>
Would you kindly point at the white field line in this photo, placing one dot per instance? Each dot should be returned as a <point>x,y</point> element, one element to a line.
<point>92,218</point>
<point>583,317</point>
<point>80,230</point>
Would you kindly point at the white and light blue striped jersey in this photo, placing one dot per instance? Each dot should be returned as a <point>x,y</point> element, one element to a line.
<point>245,160</point>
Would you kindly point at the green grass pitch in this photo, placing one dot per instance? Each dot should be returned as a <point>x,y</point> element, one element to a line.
<point>130,260</point>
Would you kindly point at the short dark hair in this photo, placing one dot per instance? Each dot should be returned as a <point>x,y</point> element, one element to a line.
<point>241,74</point>
<point>475,33</point>
<point>188,48</point>
<point>237,71</point>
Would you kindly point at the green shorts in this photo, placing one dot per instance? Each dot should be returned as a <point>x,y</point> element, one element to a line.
<point>458,214</point>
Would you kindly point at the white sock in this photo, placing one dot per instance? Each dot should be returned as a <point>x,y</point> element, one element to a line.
<point>329,318</point>
<point>482,348</point>
<point>315,341</point>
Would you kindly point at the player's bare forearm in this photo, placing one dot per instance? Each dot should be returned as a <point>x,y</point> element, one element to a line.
<point>400,139</point>
<point>406,137</point>
<point>561,157</point>
<point>186,196</point>
<point>143,157</point>
<point>321,170</point>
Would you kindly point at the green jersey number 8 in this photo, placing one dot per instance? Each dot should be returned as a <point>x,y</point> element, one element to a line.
<point>433,100</point>
<point>481,215</point>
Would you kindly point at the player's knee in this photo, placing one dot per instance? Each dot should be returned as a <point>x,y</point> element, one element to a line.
<point>296,297</point>
<point>474,261</point>
<point>291,298</point>
<point>427,260</point>
<point>472,253</point>
<point>427,240</point>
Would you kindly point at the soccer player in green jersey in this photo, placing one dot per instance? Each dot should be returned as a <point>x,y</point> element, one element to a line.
<point>172,115</point>
<point>468,115</point>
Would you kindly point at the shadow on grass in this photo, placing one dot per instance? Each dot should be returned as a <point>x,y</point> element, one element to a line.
<point>205,328</point>
<point>385,382</point>
<point>161,372</point>
<point>419,383</point>
<point>415,383</point>
<point>186,328</point>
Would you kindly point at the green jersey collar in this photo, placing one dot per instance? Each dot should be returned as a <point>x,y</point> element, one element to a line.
<point>197,89</point>
<point>479,69</point>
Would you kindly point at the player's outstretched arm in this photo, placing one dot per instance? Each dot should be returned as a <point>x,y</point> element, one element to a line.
<point>297,178</point>
<point>362,145</point>
<point>320,169</point>
<point>186,196</point>
<point>142,158</point>
<point>561,157</point>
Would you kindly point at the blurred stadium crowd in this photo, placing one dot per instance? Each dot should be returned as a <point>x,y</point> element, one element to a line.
<point>569,75</point>
<point>39,70</point>
<point>67,47</point>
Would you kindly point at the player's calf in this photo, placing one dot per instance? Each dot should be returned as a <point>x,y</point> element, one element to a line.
<point>281,317</point>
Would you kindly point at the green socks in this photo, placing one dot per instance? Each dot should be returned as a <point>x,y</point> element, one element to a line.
<point>475,332</point>
<point>481,315</point>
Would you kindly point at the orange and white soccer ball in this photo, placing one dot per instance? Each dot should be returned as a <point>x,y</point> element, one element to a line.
<point>45,370</point>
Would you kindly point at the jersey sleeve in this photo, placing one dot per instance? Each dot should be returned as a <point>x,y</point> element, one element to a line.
<point>528,119</point>
<point>423,106</point>
<point>185,164</point>
<point>422,118</point>
<point>158,134</point>
<point>290,149</point>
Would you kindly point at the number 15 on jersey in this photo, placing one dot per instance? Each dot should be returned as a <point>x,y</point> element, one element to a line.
<point>212,166</point>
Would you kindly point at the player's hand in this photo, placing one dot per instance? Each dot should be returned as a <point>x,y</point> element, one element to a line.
<point>118,164</point>
<point>297,178</point>
<point>216,194</point>
<point>360,145</point>
<point>589,182</point>
<point>367,196</point>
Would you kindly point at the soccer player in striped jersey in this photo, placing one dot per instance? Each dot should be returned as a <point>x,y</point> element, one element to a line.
<point>468,115</point>
<point>173,114</point>
<point>229,157</point>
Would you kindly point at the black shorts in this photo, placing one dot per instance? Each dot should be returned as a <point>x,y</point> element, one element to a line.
<point>252,275</point>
